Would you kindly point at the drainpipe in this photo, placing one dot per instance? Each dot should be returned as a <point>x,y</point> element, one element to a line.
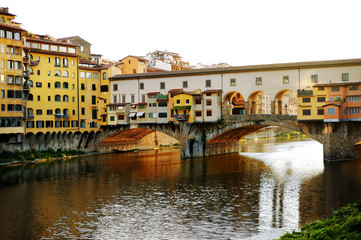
<point>77,79</point>
<point>222,96</point>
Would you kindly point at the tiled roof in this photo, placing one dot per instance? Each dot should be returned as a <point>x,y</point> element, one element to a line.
<point>249,68</point>
<point>336,84</point>
<point>153,93</point>
<point>213,91</point>
<point>14,27</point>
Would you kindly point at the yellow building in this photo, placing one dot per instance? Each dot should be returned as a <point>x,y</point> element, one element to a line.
<point>133,64</point>
<point>53,98</point>
<point>310,103</point>
<point>184,106</point>
<point>13,83</point>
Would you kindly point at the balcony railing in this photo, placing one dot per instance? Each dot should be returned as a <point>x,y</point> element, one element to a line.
<point>182,117</point>
<point>304,92</point>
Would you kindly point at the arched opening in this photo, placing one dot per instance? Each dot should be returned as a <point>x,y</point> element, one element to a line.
<point>259,102</point>
<point>138,139</point>
<point>233,104</point>
<point>285,102</point>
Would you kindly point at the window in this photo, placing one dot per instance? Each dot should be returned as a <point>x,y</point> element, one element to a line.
<point>321,99</point>
<point>17,36</point>
<point>163,115</point>
<point>258,81</point>
<point>104,76</point>
<point>65,85</point>
<point>209,102</point>
<point>82,86</point>
<point>198,101</point>
<point>143,97</point>
<point>354,111</point>
<point>65,73</point>
<point>178,101</point>
<point>353,87</point>
<point>306,100</point>
<point>9,35</point>
<point>185,84</point>
<point>354,99</point>
<point>94,100</point>
<point>306,112</point>
<point>331,111</point>
<point>208,83</point>
<point>162,85</point>
<point>54,48</point>
<point>94,87</point>
<point>10,79</point>
<point>285,80</point>
<point>88,75</point>
<point>321,88</point>
<point>57,85</point>
<point>57,98</point>
<point>335,89</point>
<point>123,98</point>
<point>82,97</point>
<point>198,113</point>
<point>39,112</point>
<point>65,62</point>
<point>187,101</point>
<point>81,48</point>
<point>132,98</point>
<point>320,112</point>
<point>71,50</point>
<point>57,73</point>
<point>45,47</point>
<point>95,76</point>
<point>62,49</point>
<point>49,98</point>
<point>39,124</point>
<point>104,88</point>
<point>209,113</point>
<point>65,98</point>
<point>49,112</point>
<point>141,86</point>
<point>94,114</point>
<point>114,98</point>
<point>115,87</point>
<point>82,74</point>
<point>314,78</point>
<point>38,84</point>
<point>112,118</point>
<point>57,62</point>
<point>344,77</point>
<point>82,111</point>
<point>232,82</point>
<point>162,104</point>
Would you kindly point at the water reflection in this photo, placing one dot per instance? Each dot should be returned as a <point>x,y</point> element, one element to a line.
<point>154,194</point>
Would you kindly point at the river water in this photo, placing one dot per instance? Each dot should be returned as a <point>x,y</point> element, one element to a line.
<point>268,188</point>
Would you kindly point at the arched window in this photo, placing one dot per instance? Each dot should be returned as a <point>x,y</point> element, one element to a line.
<point>57,62</point>
<point>65,112</point>
<point>65,62</point>
<point>30,97</point>
<point>104,76</point>
<point>57,73</point>
<point>57,98</point>
<point>65,85</point>
<point>57,111</point>
<point>65,98</point>
<point>65,73</point>
<point>57,84</point>
<point>30,83</point>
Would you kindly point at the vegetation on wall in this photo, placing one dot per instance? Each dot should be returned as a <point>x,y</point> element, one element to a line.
<point>342,224</point>
<point>31,155</point>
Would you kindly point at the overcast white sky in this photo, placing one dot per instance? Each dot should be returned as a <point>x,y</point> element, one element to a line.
<point>239,32</point>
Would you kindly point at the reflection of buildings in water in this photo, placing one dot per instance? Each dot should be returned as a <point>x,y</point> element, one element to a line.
<point>279,204</point>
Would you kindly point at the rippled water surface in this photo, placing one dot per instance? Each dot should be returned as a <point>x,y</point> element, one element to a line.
<point>268,188</point>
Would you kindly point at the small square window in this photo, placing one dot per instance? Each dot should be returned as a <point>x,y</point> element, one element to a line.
<point>258,81</point>
<point>141,86</point>
<point>286,79</point>
<point>233,82</point>
<point>185,84</point>
<point>208,83</point>
<point>314,78</point>
<point>162,85</point>
<point>344,77</point>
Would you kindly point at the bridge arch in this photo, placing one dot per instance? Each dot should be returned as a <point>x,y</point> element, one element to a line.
<point>259,102</point>
<point>233,103</point>
<point>285,102</point>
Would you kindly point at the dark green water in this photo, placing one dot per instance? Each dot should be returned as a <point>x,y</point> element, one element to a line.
<point>272,187</point>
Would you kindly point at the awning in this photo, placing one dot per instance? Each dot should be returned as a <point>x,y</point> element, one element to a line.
<point>132,114</point>
<point>140,114</point>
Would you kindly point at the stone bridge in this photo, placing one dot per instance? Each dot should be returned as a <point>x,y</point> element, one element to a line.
<point>204,139</point>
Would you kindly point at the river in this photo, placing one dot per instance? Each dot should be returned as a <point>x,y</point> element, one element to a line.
<point>270,187</point>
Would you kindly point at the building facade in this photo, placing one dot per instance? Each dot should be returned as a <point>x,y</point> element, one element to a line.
<point>13,77</point>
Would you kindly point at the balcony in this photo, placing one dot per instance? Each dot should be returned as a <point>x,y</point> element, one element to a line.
<point>181,117</point>
<point>304,92</point>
